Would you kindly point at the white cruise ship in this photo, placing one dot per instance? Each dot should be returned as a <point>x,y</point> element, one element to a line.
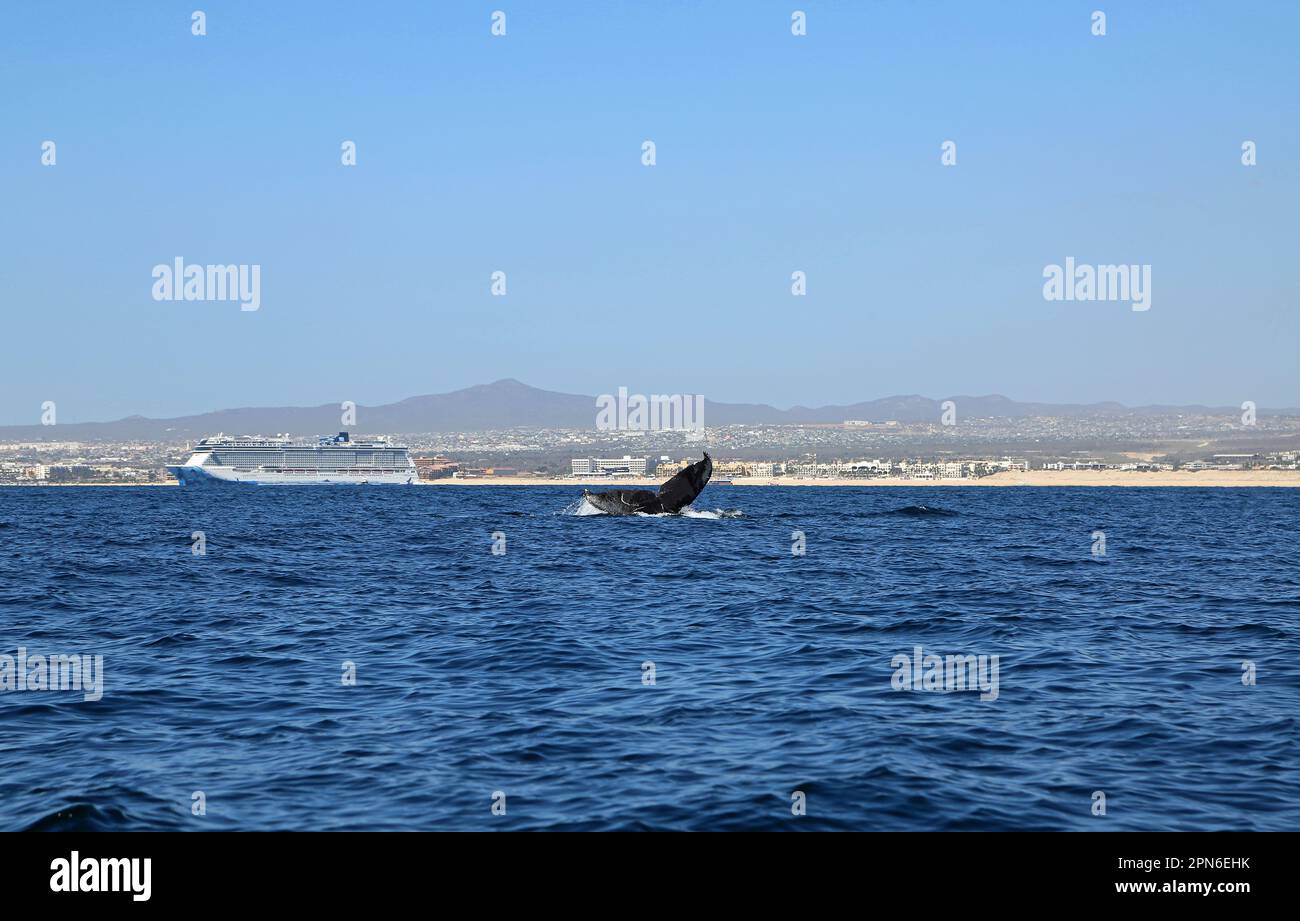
<point>330,460</point>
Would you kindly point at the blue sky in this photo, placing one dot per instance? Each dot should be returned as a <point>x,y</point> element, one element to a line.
<point>523,154</point>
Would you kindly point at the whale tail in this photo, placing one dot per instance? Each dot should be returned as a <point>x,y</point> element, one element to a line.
<point>679,492</point>
<point>685,485</point>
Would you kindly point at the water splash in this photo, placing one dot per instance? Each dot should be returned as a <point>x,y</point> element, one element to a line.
<point>692,512</point>
<point>582,508</point>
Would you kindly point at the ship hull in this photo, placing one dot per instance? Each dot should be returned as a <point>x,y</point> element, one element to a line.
<point>188,475</point>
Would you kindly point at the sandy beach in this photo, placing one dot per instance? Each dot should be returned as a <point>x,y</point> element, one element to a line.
<point>1201,478</point>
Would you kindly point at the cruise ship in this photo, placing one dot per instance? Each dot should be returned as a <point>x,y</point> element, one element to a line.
<point>329,460</point>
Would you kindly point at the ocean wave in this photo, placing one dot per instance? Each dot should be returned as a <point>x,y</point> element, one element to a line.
<point>83,817</point>
<point>921,511</point>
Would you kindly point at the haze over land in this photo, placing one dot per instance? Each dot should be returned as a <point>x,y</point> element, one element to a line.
<point>508,403</point>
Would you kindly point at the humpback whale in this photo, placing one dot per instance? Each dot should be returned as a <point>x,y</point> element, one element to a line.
<point>673,496</point>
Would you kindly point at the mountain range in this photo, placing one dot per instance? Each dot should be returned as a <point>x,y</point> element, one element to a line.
<point>511,404</point>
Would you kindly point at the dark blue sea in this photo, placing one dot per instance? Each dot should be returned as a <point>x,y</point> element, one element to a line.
<point>652,672</point>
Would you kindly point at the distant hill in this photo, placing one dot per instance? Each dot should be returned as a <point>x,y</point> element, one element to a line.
<point>511,404</point>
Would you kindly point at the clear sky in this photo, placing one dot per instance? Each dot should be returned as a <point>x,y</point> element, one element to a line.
<point>522,153</point>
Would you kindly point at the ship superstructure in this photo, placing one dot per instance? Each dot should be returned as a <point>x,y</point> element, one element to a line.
<point>284,461</point>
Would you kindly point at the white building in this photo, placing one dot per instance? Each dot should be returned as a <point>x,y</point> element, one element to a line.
<point>594,466</point>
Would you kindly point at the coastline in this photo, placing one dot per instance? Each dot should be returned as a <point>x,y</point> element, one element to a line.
<point>1225,479</point>
<point>67,485</point>
<point>1130,478</point>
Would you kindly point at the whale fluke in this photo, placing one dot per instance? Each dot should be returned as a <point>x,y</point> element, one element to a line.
<point>673,496</point>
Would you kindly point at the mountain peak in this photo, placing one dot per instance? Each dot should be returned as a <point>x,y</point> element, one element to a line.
<point>506,383</point>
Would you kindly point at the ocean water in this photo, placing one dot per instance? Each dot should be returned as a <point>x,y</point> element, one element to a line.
<point>528,673</point>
